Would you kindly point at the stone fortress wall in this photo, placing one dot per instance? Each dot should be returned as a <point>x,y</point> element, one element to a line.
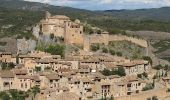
<point>105,38</point>
<point>62,26</point>
<point>72,32</point>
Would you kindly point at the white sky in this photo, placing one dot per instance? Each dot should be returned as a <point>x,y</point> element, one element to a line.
<point>108,4</point>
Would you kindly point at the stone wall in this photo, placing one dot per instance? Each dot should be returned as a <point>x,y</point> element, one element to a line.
<point>160,93</point>
<point>139,42</point>
<point>106,38</point>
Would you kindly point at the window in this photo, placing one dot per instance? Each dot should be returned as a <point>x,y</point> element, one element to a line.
<point>139,84</point>
<point>21,85</point>
<point>25,85</point>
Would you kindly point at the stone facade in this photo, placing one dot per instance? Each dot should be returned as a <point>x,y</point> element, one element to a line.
<point>62,26</point>
<point>72,32</point>
<point>105,38</point>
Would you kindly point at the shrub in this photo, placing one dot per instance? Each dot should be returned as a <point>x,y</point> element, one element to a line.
<point>145,74</point>
<point>56,50</point>
<point>104,50</point>
<point>119,54</point>
<point>148,87</point>
<point>121,71</point>
<point>139,75</point>
<point>158,67</point>
<point>112,52</point>
<point>106,72</point>
<point>52,36</point>
<point>148,59</point>
<point>95,47</point>
<point>154,98</point>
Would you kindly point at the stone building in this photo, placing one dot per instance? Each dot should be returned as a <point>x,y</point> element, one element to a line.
<point>136,67</point>
<point>62,26</point>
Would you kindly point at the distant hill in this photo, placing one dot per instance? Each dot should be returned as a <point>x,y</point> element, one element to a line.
<point>161,14</point>
<point>36,6</point>
<point>17,16</point>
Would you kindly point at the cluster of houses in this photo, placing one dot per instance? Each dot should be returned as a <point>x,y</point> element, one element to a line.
<point>78,77</point>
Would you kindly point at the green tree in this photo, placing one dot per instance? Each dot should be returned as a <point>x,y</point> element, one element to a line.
<point>56,49</point>
<point>95,47</point>
<point>4,96</point>
<point>148,86</point>
<point>106,72</point>
<point>148,59</point>
<point>104,50</point>
<point>112,52</point>
<point>145,74</point>
<point>119,54</point>
<point>99,31</point>
<point>37,69</point>
<point>158,67</point>
<point>121,71</point>
<point>154,98</point>
<point>52,36</point>
<point>35,90</point>
<point>7,66</point>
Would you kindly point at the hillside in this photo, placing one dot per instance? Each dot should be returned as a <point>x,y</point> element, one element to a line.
<point>18,16</point>
<point>161,14</point>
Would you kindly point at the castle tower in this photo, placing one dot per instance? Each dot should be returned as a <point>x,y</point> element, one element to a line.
<point>47,14</point>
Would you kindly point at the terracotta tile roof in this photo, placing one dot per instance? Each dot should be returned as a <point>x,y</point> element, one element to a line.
<point>85,80</point>
<point>134,63</point>
<point>47,60</point>
<point>98,75</point>
<point>35,77</point>
<point>84,70</point>
<point>7,74</point>
<point>52,76</point>
<point>49,90</point>
<point>129,79</point>
<point>113,76</point>
<point>20,71</point>
<point>110,65</point>
<point>64,70</point>
<point>91,59</point>
<point>66,95</point>
<point>24,77</point>
<point>60,17</point>
<point>166,78</point>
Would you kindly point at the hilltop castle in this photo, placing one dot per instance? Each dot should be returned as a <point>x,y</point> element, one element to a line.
<point>73,33</point>
<point>62,26</point>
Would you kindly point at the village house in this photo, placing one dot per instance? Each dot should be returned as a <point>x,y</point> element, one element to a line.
<point>7,80</point>
<point>166,81</point>
<point>136,67</point>
<point>7,57</point>
<point>18,79</point>
<point>129,85</point>
<point>36,55</point>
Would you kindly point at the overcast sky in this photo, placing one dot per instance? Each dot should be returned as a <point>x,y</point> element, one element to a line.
<point>108,4</point>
